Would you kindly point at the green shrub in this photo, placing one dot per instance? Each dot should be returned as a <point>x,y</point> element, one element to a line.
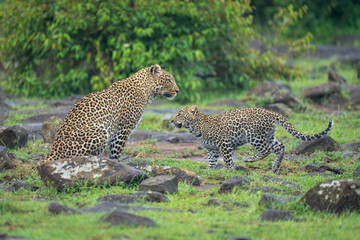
<point>57,48</point>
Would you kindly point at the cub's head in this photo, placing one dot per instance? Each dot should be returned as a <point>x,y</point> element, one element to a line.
<point>164,82</point>
<point>185,117</point>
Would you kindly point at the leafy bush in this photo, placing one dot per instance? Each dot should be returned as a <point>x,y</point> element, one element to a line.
<point>57,48</point>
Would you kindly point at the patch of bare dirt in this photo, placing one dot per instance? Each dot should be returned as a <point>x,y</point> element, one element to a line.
<point>189,151</point>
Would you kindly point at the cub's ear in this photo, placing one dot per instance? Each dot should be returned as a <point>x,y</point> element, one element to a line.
<point>194,109</point>
<point>155,69</point>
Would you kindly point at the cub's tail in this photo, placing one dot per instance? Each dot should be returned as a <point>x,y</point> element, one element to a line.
<point>288,127</point>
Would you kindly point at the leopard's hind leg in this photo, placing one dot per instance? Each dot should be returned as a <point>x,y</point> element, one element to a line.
<point>263,150</point>
<point>279,149</point>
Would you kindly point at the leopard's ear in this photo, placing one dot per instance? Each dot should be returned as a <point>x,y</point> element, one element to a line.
<point>194,109</point>
<point>155,69</point>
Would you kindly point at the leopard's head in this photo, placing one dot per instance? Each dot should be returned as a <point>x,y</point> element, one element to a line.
<point>164,82</point>
<point>185,117</point>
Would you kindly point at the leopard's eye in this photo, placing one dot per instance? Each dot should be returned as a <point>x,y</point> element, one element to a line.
<point>169,80</point>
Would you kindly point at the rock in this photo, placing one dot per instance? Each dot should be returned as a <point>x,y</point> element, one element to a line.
<point>34,130</point>
<point>49,129</point>
<point>353,146</point>
<point>219,165</point>
<point>7,237</point>
<point>125,159</point>
<point>270,200</point>
<point>236,168</point>
<point>151,196</point>
<point>5,189</point>
<point>102,207</point>
<point>217,202</point>
<point>237,204</point>
<point>162,183</point>
<point>4,110</point>
<point>336,100</point>
<point>138,196</point>
<point>14,136</point>
<point>68,101</point>
<point>320,91</point>
<point>279,180</point>
<point>57,208</point>
<point>279,92</point>
<point>279,108</point>
<point>15,186</point>
<point>118,217</point>
<point>182,175</point>
<point>321,168</point>
<point>214,202</point>
<point>231,183</point>
<point>353,155</point>
<point>228,103</point>
<point>265,189</point>
<point>334,196</point>
<point>238,238</point>
<point>356,172</point>
<point>6,159</point>
<point>354,93</point>
<point>335,77</point>
<point>78,170</point>
<point>358,69</point>
<point>273,215</point>
<point>325,143</point>
<point>141,164</point>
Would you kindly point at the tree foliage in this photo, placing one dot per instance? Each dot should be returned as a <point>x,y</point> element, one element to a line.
<point>55,48</point>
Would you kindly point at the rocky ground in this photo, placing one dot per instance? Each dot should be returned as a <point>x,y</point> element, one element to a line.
<point>142,158</point>
<point>44,122</point>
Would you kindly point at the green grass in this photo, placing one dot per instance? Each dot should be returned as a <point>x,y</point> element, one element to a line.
<point>16,117</point>
<point>23,215</point>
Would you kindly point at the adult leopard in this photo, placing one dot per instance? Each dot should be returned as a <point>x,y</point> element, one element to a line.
<point>223,133</point>
<point>107,117</point>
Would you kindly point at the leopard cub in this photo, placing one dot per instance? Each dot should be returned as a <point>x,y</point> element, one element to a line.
<point>254,126</point>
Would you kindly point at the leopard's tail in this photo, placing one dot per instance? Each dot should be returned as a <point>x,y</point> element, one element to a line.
<point>282,121</point>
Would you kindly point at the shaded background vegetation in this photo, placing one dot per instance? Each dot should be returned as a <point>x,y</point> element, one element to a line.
<point>56,48</point>
<point>326,20</point>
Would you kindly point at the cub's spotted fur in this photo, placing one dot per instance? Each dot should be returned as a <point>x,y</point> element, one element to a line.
<point>223,133</point>
<point>107,117</point>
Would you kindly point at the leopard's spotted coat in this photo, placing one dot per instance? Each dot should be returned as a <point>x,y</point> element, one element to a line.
<point>223,133</point>
<point>107,117</point>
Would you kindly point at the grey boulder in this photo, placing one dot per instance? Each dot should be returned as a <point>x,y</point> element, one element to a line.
<point>334,196</point>
<point>14,136</point>
<point>90,170</point>
<point>162,184</point>
<point>231,183</point>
